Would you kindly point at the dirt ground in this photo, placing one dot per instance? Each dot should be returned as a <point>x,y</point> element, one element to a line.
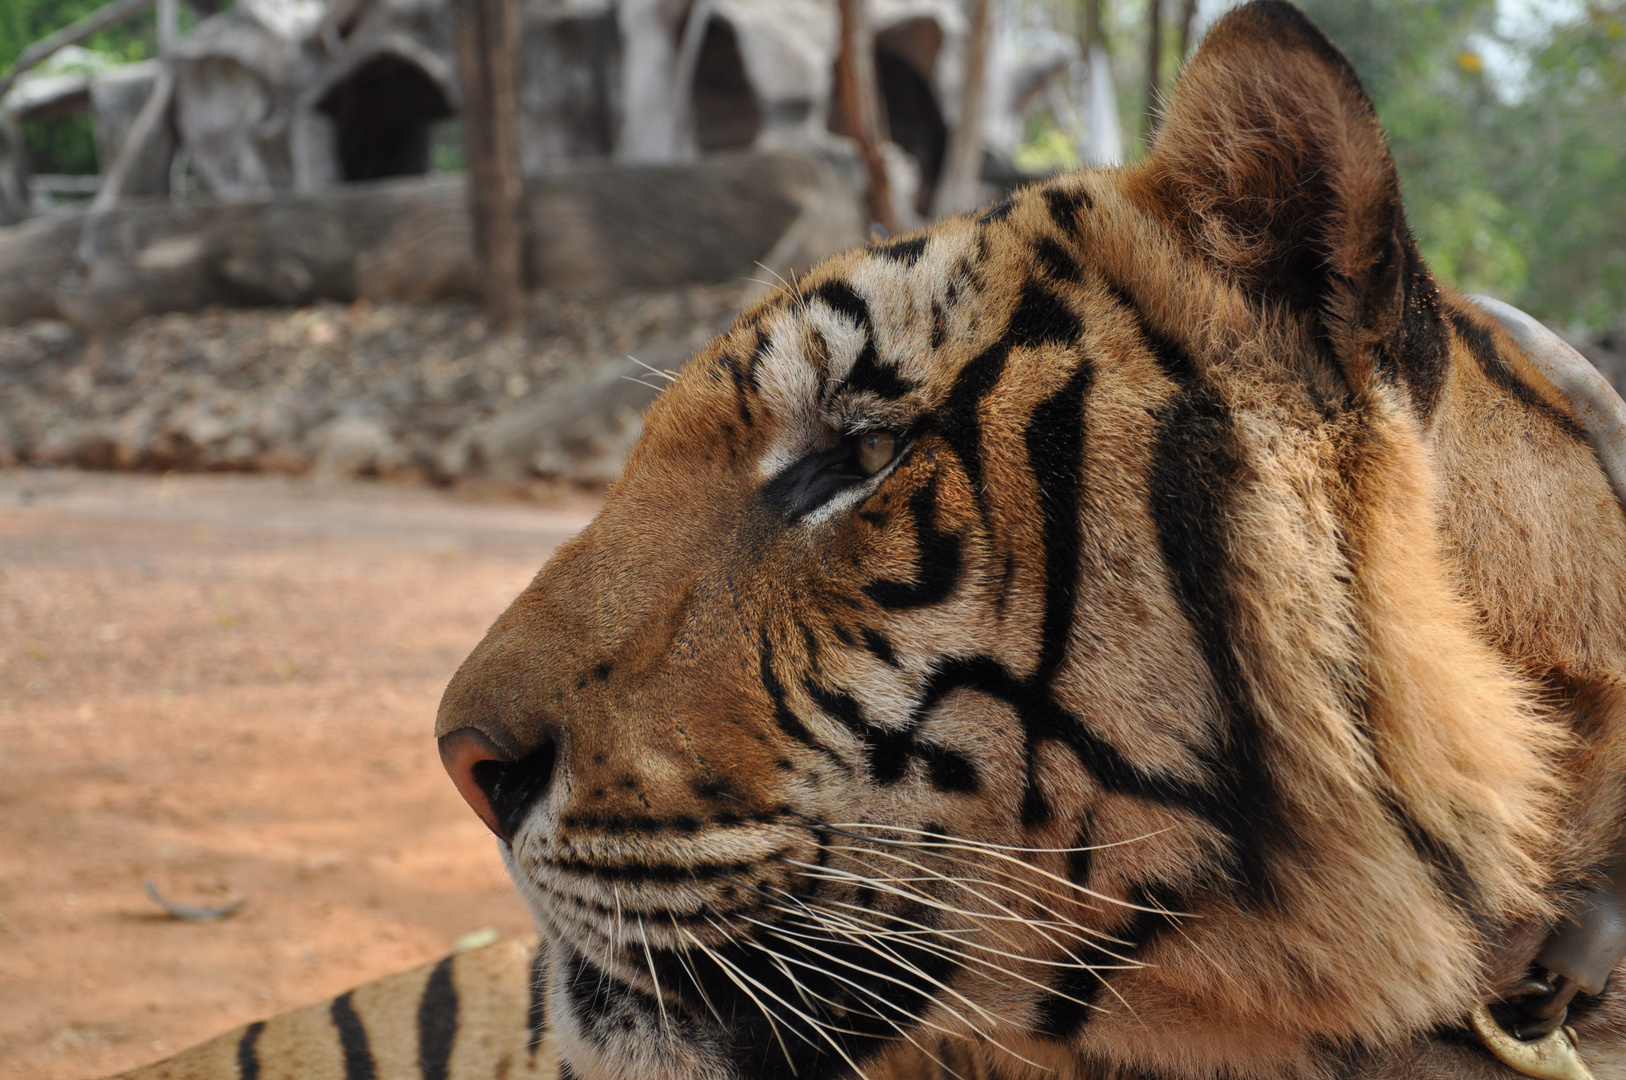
<point>226,684</point>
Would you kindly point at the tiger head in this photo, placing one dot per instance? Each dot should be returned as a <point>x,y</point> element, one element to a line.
<point>1035,631</point>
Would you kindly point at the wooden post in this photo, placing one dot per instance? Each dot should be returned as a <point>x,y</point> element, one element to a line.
<point>1154,65</point>
<point>488,71</point>
<point>860,106</point>
<point>961,186</point>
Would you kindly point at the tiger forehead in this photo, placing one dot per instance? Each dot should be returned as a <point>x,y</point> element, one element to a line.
<point>874,325</point>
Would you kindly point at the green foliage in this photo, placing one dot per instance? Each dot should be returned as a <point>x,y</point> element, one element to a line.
<point>1512,152</point>
<point>1516,190</point>
<point>1046,147</point>
<point>23,22</point>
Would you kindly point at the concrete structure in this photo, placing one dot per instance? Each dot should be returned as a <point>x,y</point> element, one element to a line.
<point>298,95</point>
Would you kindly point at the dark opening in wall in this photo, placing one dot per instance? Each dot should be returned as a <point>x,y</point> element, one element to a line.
<point>905,56</point>
<point>383,112</point>
<point>726,112</point>
<point>61,137</point>
<point>913,119</point>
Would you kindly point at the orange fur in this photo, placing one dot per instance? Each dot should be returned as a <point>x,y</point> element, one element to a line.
<point>1220,543</point>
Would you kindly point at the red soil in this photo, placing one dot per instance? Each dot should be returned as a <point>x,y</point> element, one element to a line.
<point>227,685</point>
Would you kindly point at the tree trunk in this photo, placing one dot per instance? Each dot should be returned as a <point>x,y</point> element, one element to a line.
<point>860,106</point>
<point>960,188</point>
<point>1089,26</point>
<point>1154,66</point>
<point>1188,17</point>
<point>488,69</point>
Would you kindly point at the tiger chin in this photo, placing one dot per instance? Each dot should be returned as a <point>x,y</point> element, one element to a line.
<point>1147,627</point>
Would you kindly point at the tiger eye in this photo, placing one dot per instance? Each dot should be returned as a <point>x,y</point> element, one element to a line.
<point>875,449</point>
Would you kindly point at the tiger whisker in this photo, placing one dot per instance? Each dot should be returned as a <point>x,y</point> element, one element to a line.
<point>695,979</point>
<point>1060,922</point>
<point>1077,963</point>
<point>659,373</point>
<point>1126,962</point>
<point>1002,970</point>
<point>1024,892</point>
<point>818,1025</point>
<point>773,1019</point>
<point>1127,965</point>
<point>938,1001</point>
<point>1002,852</point>
<point>964,884</point>
<point>927,900</point>
<point>937,838</point>
<point>660,999</point>
<point>903,1032</point>
<point>833,924</point>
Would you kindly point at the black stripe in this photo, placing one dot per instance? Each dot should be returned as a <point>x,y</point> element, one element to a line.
<point>1420,348</point>
<point>1044,720</point>
<point>535,1016</point>
<point>960,425</point>
<point>847,303</point>
<point>907,252</point>
<point>1482,347</point>
<point>358,1056</point>
<point>758,351</point>
<point>1042,317</point>
<point>1057,262</point>
<point>1171,359</point>
<point>870,375</point>
<point>1061,1018</point>
<point>1196,467</point>
<point>248,1053</point>
<point>437,1022</point>
<point>948,770</point>
<point>1055,445</point>
<point>938,559</point>
<point>880,647</point>
<point>841,706</point>
<point>997,212</point>
<point>1064,207</point>
<point>742,395</point>
<point>787,720</point>
<point>1445,864</point>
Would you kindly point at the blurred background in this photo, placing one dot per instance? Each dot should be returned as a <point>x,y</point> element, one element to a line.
<point>323,321</point>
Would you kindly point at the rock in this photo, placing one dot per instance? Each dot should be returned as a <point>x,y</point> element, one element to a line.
<point>356,446</point>
<point>598,230</point>
<point>365,389</point>
<point>580,432</point>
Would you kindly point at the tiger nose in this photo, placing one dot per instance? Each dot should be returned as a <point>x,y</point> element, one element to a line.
<point>499,788</point>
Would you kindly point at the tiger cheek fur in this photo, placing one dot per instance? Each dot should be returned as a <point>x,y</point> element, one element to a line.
<point>1138,710</point>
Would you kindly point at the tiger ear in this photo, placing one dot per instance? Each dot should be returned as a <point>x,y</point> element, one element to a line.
<point>1272,162</point>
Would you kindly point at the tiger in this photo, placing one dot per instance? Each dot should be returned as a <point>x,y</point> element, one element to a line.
<point>1149,628</point>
